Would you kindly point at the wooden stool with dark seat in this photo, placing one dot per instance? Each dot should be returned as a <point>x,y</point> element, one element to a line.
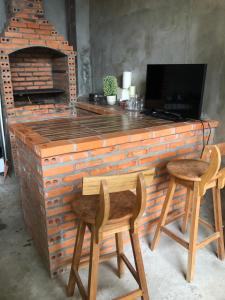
<point>108,207</point>
<point>197,176</point>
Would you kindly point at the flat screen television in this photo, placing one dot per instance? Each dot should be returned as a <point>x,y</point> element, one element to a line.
<point>176,88</point>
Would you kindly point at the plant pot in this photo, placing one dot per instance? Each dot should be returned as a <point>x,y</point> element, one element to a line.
<point>111,100</point>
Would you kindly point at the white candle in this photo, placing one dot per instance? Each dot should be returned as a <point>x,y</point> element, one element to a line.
<point>132,91</point>
<point>125,94</point>
<point>126,80</point>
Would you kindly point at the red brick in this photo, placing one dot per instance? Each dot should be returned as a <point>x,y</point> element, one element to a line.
<point>46,27</point>
<point>103,150</point>
<point>147,160</point>
<point>101,171</point>
<point>43,31</point>
<point>37,42</point>
<point>139,135</point>
<point>26,30</point>
<point>55,148</point>
<point>167,155</point>
<point>53,44</point>
<point>111,139</point>
<point>19,41</point>
<point>124,165</point>
<point>18,24</point>
<point>113,158</point>
<point>157,148</point>
<point>83,144</point>
<point>163,131</point>
<point>31,36</point>
<point>75,176</point>
<point>59,191</point>
<point>13,34</point>
<point>33,25</point>
<point>130,145</point>
<point>184,128</point>
<point>60,210</point>
<point>137,153</point>
<point>84,165</point>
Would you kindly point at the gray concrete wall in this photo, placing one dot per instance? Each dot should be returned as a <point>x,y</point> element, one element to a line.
<point>56,14</point>
<point>129,34</point>
<point>2,15</point>
<point>83,47</point>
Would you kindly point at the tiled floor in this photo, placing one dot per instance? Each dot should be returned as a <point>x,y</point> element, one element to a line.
<point>23,277</point>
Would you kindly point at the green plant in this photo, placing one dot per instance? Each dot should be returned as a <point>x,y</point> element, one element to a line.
<point>110,85</point>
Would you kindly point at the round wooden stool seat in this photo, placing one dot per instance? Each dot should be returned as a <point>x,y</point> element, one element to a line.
<point>121,207</point>
<point>188,169</point>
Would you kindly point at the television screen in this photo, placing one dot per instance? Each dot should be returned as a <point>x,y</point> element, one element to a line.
<point>176,88</point>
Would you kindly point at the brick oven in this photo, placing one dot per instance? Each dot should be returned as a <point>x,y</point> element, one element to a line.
<point>37,67</point>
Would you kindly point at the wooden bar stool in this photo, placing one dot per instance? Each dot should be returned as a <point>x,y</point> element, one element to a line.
<point>197,176</point>
<point>108,207</point>
<point>216,195</point>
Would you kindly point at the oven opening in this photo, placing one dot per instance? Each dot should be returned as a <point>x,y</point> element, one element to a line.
<point>39,76</point>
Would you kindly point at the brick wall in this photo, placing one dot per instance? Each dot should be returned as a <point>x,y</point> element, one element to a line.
<point>56,179</point>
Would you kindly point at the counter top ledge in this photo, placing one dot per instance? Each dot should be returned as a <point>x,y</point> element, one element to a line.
<point>37,137</point>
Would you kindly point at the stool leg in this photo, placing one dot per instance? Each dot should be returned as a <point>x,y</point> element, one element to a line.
<point>76,258</point>
<point>164,213</point>
<point>119,250</point>
<point>218,222</point>
<point>193,233</point>
<point>93,269</point>
<point>139,263</point>
<point>187,210</point>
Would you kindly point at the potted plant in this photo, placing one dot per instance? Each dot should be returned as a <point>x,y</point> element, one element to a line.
<point>110,86</point>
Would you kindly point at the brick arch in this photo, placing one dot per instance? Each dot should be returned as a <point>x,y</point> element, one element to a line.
<point>57,51</point>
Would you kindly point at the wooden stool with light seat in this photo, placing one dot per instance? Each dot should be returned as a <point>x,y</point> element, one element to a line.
<point>198,176</point>
<point>108,207</point>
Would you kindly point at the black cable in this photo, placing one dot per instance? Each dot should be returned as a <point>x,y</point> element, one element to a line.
<point>210,132</point>
<point>203,137</point>
<point>203,133</point>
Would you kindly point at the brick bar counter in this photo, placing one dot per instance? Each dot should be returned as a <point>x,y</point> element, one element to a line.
<point>54,155</point>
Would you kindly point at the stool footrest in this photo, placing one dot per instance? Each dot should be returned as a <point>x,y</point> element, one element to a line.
<point>105,257</point>
<point>174,218</point>
<point>181,241</point>
<point>206,224</point>
<point>185,244</point>
<point>208,240</point>
<point>133,295</point>
<point>129,266</point>
<point>201,221</point>
<point>80,284</point>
